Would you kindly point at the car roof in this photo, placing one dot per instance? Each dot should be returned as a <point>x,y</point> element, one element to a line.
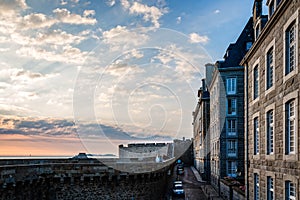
<point>178,185</point>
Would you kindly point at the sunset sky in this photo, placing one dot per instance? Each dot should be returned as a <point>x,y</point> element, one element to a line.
<point>87,75</point>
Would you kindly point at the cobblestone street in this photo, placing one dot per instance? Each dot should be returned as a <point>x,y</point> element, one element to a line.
<point>190,184</point>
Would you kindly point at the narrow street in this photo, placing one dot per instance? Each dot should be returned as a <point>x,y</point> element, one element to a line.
<point>191,186</point>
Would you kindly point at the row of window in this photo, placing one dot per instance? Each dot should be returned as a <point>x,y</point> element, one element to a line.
<point>290,60</point>
<point>289,131</point>
<point>289,186</point>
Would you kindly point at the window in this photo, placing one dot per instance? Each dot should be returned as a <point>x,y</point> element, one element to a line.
<point>257,31</point>
<point>270,68</point>
<point>232,148</point>
<point>256,186</point>
<point>270,188</point>
<point>290,37</point>
<point>231,168</point>
<point>278,2</point>
<point>290,127</point>
<point>231,85</point>
<point>256,136</point>
<point>271,8</point>
<point>231,106</point>
<point>248,45</point>
<point>255,82</point>
<point>270,132</point>
<point>231,127</point>
<point>290,190</point>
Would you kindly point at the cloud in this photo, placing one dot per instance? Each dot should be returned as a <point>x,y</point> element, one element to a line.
<point>122,69</point>
<point>178,20</point>
<point>9,7</point>
<point>121,37</point>
<point>125,4</point>
<point>36,20</point>
<point>110,3</point>
<point>66,54</point>
<point>196,38</point>
<point>87,13</point>
<point>62,2</point>
<point>4,49</point>
<point>61,127</point>
<point>30,126</point>
<point>65,16</point>
<point>152,14</point>
<point>217,11</point>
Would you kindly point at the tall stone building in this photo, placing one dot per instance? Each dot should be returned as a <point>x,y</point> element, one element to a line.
<point>272,103</point>
<point>201,134</point>
<point>223,132</point>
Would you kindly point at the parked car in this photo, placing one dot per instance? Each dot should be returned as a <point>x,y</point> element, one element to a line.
<point>180,171</point>
<point>178,190</point>
<point>177,183</point>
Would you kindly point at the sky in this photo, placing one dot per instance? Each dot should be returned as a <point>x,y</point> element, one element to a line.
<point>87,75</point>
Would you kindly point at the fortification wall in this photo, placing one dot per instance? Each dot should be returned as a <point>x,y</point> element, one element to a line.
<point>71,179</point>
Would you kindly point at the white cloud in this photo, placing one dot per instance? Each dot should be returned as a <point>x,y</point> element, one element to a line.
<point>196,38</point>
<point>53,37</point>
<point>4,49</point>
<point>125,4</point>
<point>178,20</point>
<point>62,2</point>
<point>121,37</point>
<point>152,13</point>
<point>217,11</point>
<point>66,54</point>
<point>57,37</point>
<point>65,16</point>
<point>9,7</point>
<point>36,20</point>
<point>110,3</point>
<point>87,13</point>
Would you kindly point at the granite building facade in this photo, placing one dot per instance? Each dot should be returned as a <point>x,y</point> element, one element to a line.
<point>272,103</point>
<point>225,134</point>
<point>201,132</point>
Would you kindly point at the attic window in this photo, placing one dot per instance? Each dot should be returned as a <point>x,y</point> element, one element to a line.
<point>271,8</point>
<point>248,45</point>
<point>257,30</point>
<point>278,2</point>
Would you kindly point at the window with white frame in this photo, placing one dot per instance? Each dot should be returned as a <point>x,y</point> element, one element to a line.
<point>231,126</point>
<point>290,37</point>
<point>270,188</point>
<point>290,190</point>
<point>256,136</point>
<point>255,82</point>
<point>256,186</point>
<point>231,85</point>
<point>270,68</point>
<point>270,132</point>
<point>290,127</point>
<point>271,8</point>
<point>257,31</point>
<point>231,106</point>
<point>231,168</point>
<point>232,148</point>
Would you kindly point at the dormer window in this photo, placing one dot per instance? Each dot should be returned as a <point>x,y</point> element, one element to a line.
<point>257,31</point>
<point>271,8</point>
<point>278,2</point>
<point>248,45</point>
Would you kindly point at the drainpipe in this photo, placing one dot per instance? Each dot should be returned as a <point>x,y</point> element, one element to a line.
<point>246,133</point>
